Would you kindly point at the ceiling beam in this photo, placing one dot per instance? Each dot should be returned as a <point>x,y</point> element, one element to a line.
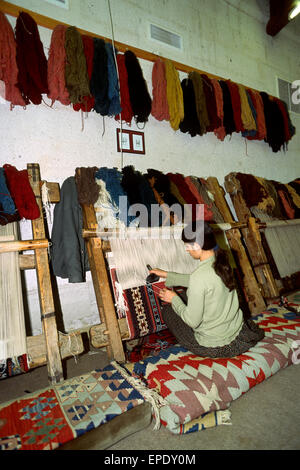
<point>279,15</point>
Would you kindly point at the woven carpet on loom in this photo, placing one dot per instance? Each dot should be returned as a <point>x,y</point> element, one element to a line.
<point>46,419</point>
<point>143,307</point>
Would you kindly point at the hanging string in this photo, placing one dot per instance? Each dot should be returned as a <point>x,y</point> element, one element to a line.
<point>115,59</point>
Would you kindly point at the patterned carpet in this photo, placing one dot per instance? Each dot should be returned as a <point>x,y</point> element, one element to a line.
<point>193,386</point>
<point>51,417</point>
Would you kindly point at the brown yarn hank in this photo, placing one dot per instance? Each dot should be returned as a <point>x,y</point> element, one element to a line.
<point>87,188</point>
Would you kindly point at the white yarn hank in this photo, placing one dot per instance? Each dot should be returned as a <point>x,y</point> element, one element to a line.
<point>46,203</point>
<point>106,211</point>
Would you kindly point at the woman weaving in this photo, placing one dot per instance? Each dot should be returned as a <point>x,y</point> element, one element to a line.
<point>210,323</point>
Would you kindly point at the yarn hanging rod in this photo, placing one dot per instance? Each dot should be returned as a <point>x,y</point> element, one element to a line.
<point>50,23</point>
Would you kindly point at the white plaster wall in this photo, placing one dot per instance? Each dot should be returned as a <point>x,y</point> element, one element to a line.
<point>223,37</point>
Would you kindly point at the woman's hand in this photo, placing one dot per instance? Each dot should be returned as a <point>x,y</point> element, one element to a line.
<point>166,295</point>
<point>159,272</point>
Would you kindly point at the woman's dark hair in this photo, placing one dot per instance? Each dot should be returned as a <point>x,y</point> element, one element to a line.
<point>200,232</point>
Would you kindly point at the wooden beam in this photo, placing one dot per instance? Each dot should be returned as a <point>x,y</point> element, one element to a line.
<point>99,334</point>
<point>69,345</point>
<point>54,192</point>
<point>55,371</point>
<point>23,245</point>
<point>279,15</point>
<point>26,262</point>
<point>102,288</point>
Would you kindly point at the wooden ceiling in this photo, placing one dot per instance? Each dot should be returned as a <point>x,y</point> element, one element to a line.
<point>279,15</point>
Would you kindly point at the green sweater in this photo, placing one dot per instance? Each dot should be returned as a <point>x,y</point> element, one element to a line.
<point>212,310</point>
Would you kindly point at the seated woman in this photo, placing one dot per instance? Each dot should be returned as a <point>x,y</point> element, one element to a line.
<point>210,323</point>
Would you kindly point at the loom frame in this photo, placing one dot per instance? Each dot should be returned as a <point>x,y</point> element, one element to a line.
<point>113,331</point>
<point>51,346</point>
<point>260,259</point>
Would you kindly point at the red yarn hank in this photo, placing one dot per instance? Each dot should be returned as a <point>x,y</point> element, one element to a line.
<point>21,192</point>
<point>8,64</point>
<point>56,67</point>
<point>31,60</point>
<point>160,107</point>
<point>127,113</point>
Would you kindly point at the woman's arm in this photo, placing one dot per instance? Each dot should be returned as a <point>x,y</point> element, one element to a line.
<point>192,313</point>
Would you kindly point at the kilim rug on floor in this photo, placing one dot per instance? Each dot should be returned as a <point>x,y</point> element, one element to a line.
<point>46,419</point>
<point>193,386</point>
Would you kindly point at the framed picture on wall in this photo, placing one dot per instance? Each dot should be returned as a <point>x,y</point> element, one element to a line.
<point>123,141</point>
<point>138,142</point>
<point>130,141</point>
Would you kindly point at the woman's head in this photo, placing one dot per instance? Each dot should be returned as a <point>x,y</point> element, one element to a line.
<point>198,235</point>
<point>200,242</point>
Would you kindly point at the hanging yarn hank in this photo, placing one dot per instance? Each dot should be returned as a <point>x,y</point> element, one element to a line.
<point>6,200</point>
<point>99,78</point>
<point>160,108</point>
<point>174,95</point>
<point>138,91</point>
<point>76,75</point>
<point>190,122</point>
<point>127,113</point>
<point>31,60</point>
<point>87,103</point>
<point>113,83</point>
<point>8,64</point>
<point>200,101</point>
<point>21,192</point>
<point>87,188</point>
<point>56,67</point>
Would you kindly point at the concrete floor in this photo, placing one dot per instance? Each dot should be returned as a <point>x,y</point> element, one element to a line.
<point>267,417</point>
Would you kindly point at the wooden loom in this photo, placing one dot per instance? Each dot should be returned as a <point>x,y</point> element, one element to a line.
<point>51,346</point>
<point>113,331</point>
<point>261,260</point>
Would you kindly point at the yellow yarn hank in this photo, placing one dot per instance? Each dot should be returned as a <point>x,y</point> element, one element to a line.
<point>268,203</point>
<point>293,193</point>
<point>174,95</point>
<point>246,113</point>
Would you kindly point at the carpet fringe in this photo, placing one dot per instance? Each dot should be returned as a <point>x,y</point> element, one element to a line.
<point>150,395</point>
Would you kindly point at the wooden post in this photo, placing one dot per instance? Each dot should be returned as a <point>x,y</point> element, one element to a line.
<point>102,288</point>
<point>253,241</point>
<point>254,295</point>
<point>55,371</point>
